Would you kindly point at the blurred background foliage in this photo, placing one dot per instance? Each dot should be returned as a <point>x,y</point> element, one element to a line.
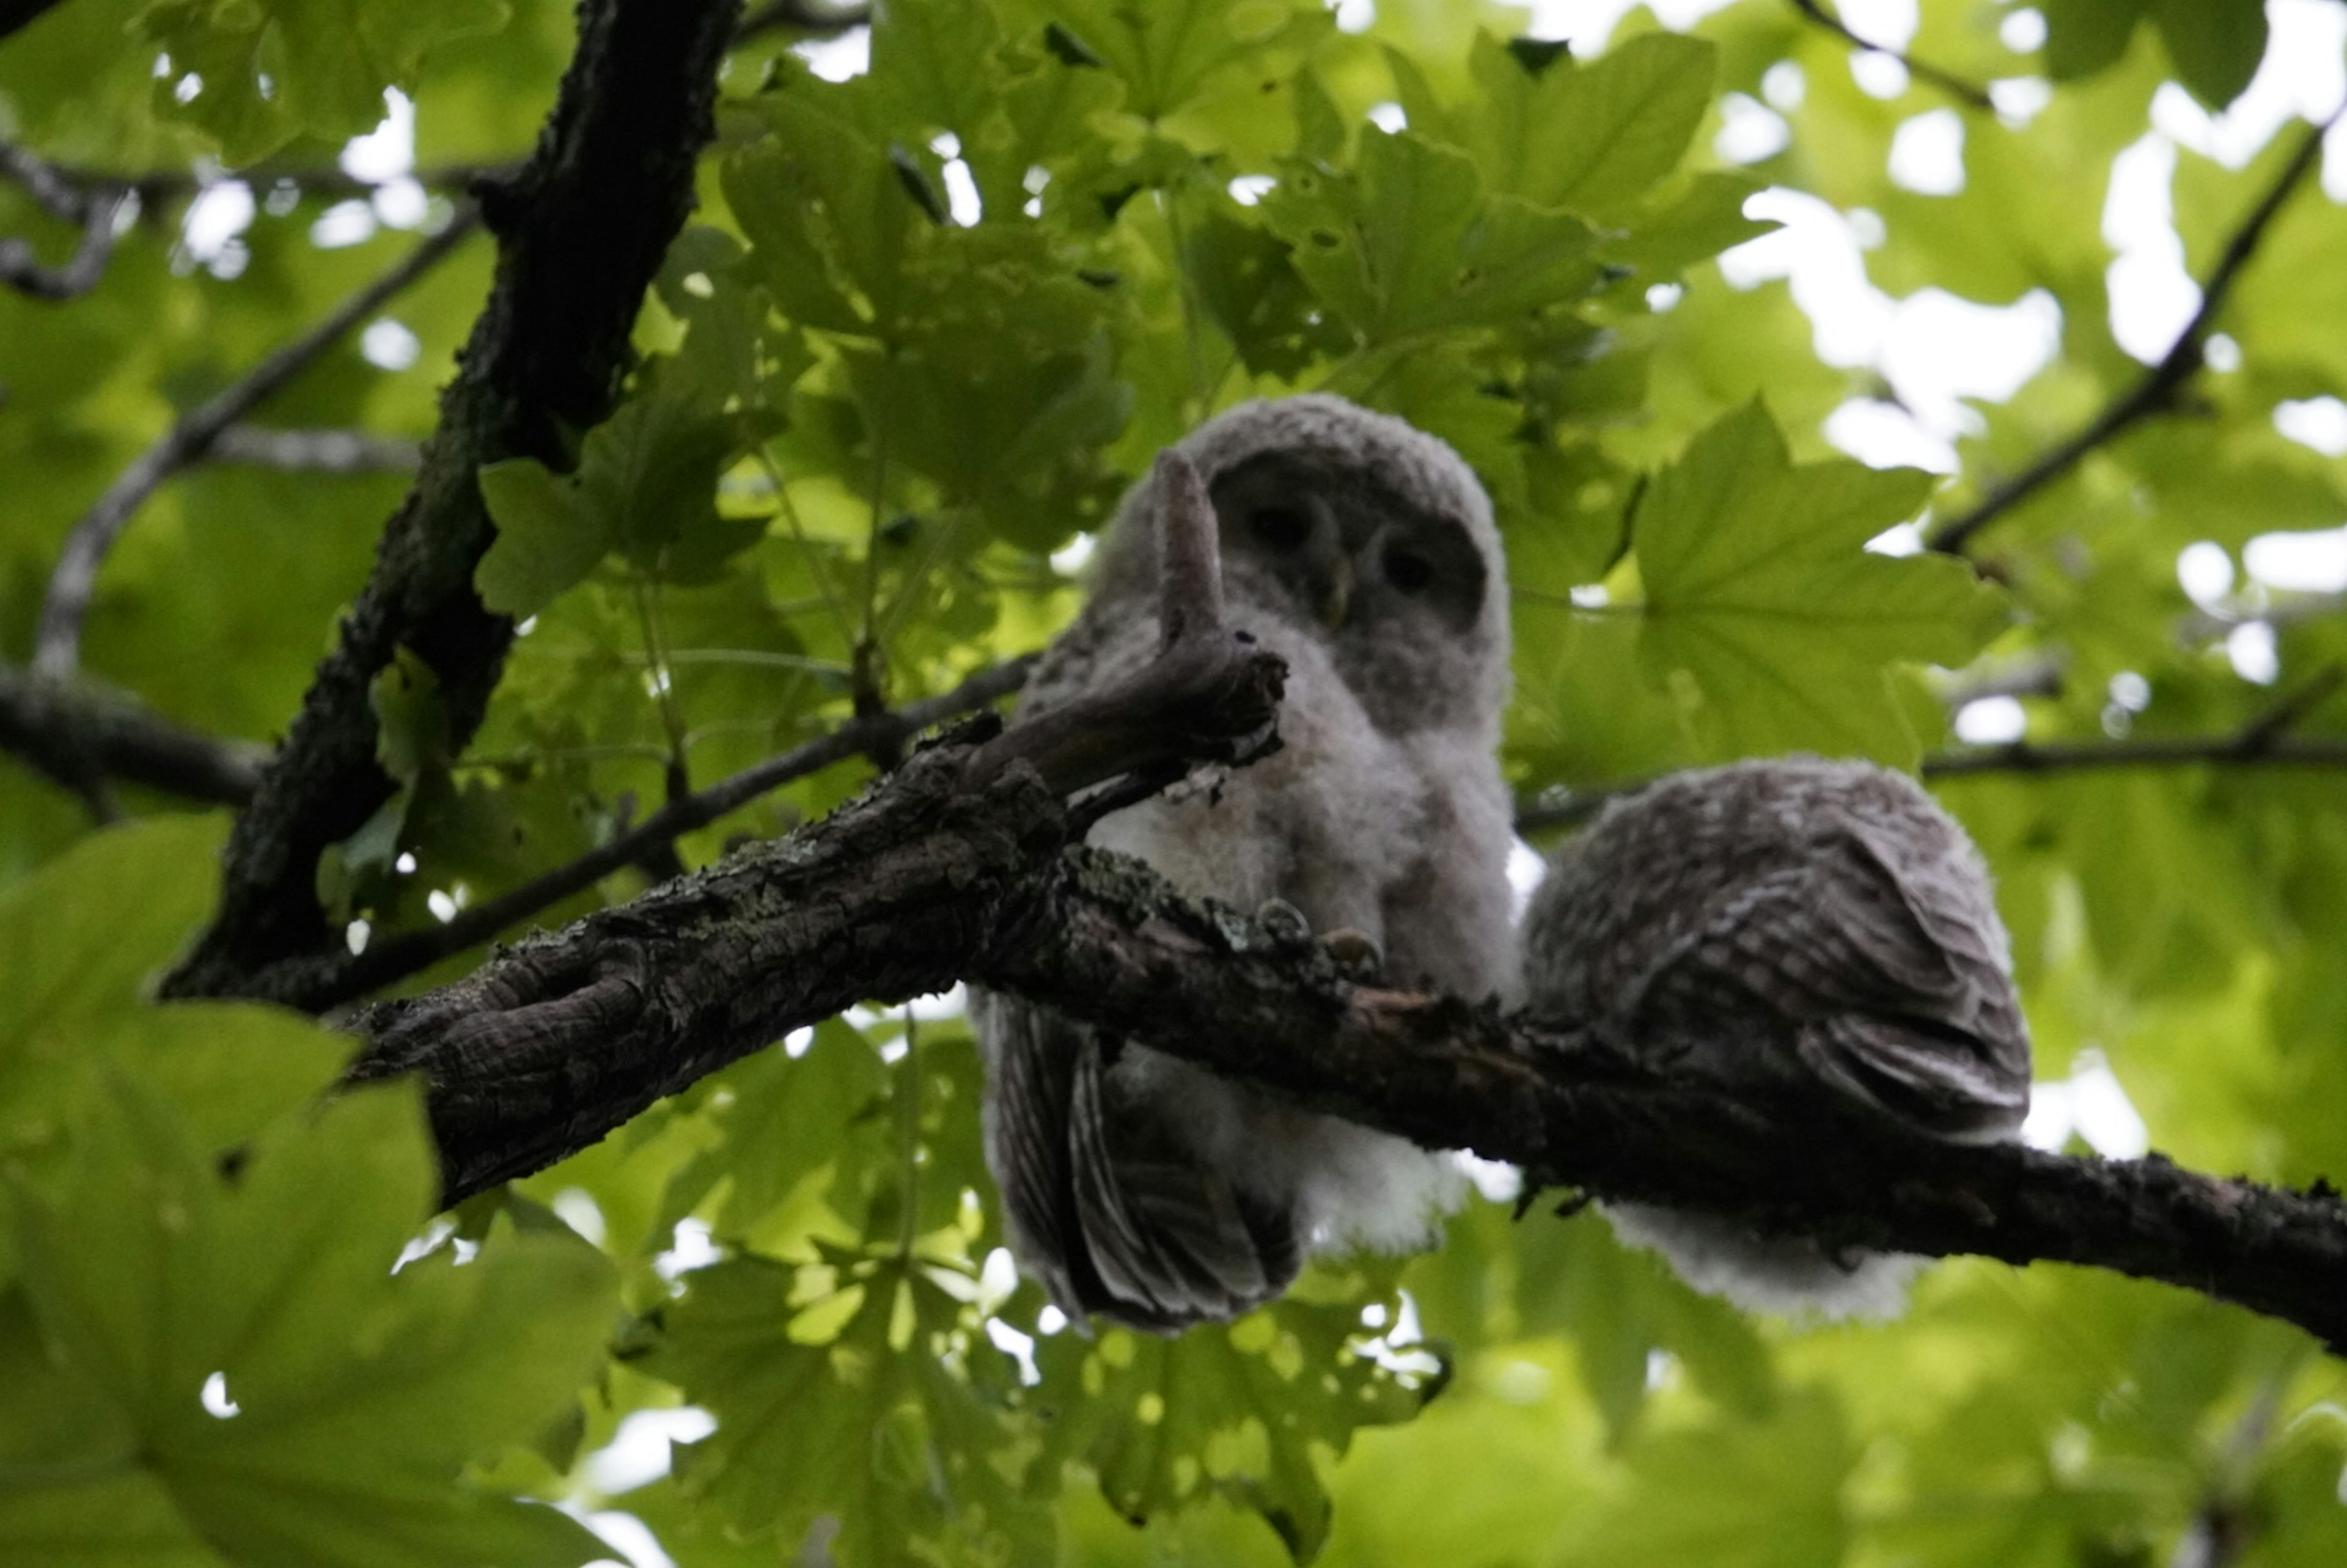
<point>1731,315</point>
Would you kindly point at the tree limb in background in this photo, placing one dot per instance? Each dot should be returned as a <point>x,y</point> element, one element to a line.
<point>317,451</point>
<point>58,645</point>
<point>93,206</point>
<point>1956,87</point>
<point>331,979</point>
<point>2265,741</point>
<point>79,736</point>
<point>2155,391</point>
<point>581,229</point>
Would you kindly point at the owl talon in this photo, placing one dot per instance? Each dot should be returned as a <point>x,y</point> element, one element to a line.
<point>1357,953</point>
<point>1283,923</point>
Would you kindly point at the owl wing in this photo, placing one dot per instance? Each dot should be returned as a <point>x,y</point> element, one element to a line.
<point>1112,1212</point>
<point>1887,967</point>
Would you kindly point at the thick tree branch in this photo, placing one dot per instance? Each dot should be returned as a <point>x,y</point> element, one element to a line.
<point>58,645</point>
<point>80,736</point>
<point>1970,93</point>
<point>2155,391</point>
<point>924,882</point>
<point>581,231</point>
<point>961,866</point>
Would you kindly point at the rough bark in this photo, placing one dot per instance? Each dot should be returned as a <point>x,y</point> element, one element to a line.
<point>926,880</point>
<point>581,229</point>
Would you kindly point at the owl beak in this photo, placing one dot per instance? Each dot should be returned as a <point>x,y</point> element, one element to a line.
<point>1337,600</point>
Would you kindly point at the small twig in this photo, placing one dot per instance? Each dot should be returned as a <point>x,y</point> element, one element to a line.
<point>2261,743</point>
<point>1956,86</point>
<point>57,648</point>
<point>2155,391</point>
<point>2288,711</point>
<point>317,451</point>
<point>81,737</point>
<point>93,206</point>
<point>396,958</point>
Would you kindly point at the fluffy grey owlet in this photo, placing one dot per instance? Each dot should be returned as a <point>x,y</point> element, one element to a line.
<point>1361,550</point>
<point>1789,920</point>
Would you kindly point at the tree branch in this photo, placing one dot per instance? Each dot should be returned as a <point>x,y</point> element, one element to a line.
<point>2155,391</point>
<point>1971,93</point>
<point>93,207</point>
<point>581,231</point>
<point>2264,741</point>
<point>80,736</point>
<point>317,451</point>
<point>926,881</point>
<point>331,979</point>
<point>57,644</point>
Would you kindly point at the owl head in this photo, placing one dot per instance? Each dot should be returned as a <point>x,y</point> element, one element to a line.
<point>1355,529</point>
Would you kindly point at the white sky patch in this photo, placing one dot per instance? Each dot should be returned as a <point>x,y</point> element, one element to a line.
<point>626,1534</point>
<point>401,204</point>
<point>1784,85</point>
<point>963,201</point>
<point>1886,23</point>
<point>1355,15</point>
<point>837,59</point>
<point>1388,117</point>
<point>2020,100</point>
<point>1020,1347</point>
<point>2317,422</point>
<point>1586,25</point>
<point>388,151</point>
<point>1940,348</point>
<point>388,344</point>
<point>690,1247</point>
<point>936,1005</point>
<point>1991,722</point>
<point>1070,558</point>
<point>1877,74</point>
<point>1749,130</point>
<point>1884,436</point>
<point>2152,295</point>
<point>1898,539</point>
<point>215,1401</point>
<point>2303,77</point>
<point>1927,153</point>
<point>2298,563</point>
<point>351,222</point>
<point>1527,869</point>
<point>576,1207</point>
<point>2090,1102</point>
<point>1249,189</point>
<point>220,213</point>
<point>638,1453</point>
<point>1495,1179</point>
<point>2251,647</point>
<point>2022,31</point>
<point>2205,572</point>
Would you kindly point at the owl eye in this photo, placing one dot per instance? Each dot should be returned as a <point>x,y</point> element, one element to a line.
<point>1407,570</point>
<point>1280,527</point>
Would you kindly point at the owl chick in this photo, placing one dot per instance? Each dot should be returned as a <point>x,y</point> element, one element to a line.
<point>1361,550</point>
<point>1791,921</point>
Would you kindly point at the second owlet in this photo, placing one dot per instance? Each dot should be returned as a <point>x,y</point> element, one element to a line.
<point>1799,922</point>
<point>1145,1190</point>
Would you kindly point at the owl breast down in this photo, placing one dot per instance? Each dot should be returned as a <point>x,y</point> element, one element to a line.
<point>1150,1192</point>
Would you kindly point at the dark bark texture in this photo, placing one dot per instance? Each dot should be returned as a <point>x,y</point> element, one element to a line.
<point>580,230</point>
<point>927,880</point>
